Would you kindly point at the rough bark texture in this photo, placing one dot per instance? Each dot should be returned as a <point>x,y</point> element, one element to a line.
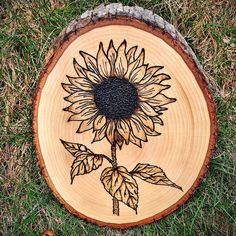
<point>153,23</point>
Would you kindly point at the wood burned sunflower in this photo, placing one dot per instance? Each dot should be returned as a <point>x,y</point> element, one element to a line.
<point>120,98</point>
<point>117,95</point>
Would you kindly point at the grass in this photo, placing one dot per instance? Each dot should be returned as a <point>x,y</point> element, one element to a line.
<point>27,28</point>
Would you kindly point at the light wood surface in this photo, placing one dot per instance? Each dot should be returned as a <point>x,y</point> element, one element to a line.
<point>182,150</point>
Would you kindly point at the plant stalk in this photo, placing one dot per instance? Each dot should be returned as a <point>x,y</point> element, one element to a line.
<point>114,164</point>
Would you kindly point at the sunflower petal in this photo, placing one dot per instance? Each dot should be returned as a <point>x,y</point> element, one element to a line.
<point>135,64</point>
<point>100,134</point>
<point>157,120</point>
<point>124,130</point>
<point>81,83</point>
<point>83,115</point>
<point>112,55</point>
<point>140,59</point>
<point>135,140</point>
<point>147,109</point>
<point>76,98</point>
<point>131,68</point>
<point>161,99</point>
<point>69,88</point>
<point>119,139</point>
<point>99,122</point>
<point>158,78</point>
<point>137,75</point>
<point>121,63</point>
<point>83,109</point>
<point>79,96</point>
<point>88,113</point>
<point>131,54</point>
<point>146,120</point>
<point>86,125</point>
<point>74,117</point>
<point>151,132</point>
<point>120,142</point>
<point>151,71</point>
<point>78,68</point>
<point>103,63</point>
<point>93,77</point>
<point>137,129</point>
<point>110,132</point>
<point>78,105</point>
<point>151,90</point>
<point>90,61</point>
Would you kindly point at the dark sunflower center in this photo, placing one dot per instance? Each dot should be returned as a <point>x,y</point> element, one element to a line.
<point>116,98</point>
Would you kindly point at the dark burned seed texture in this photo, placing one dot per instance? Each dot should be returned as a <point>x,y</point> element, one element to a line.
<point>116,98</point>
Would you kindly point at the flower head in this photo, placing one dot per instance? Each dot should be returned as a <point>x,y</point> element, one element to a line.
<point>117,95</point>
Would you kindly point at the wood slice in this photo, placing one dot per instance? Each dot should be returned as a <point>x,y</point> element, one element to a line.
<point>124,125</point>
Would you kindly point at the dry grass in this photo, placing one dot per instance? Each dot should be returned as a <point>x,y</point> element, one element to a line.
<point>27,28</point>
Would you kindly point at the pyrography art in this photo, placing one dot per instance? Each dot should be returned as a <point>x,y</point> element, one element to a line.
<point>121,99</point>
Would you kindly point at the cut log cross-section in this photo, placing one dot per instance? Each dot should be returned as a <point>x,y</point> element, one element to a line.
<point>124,124</point>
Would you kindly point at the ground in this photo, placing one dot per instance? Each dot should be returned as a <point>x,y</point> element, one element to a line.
<point>27,29</point>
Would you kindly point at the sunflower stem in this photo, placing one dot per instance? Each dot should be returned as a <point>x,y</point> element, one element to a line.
<point>113,155</point>
<point>114,164</point>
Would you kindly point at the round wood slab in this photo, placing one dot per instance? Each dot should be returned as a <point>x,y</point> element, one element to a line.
<point>124,125</point>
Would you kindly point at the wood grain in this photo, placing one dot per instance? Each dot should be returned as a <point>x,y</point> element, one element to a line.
<point>188,136</point>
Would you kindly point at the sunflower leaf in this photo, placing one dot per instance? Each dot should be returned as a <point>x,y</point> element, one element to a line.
<point>153,174</point>
<point>85,160</point>
<point>85,164</point>
<point>119,183</point>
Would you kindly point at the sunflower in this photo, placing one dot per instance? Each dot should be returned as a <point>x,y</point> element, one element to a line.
<point>117,95</point>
